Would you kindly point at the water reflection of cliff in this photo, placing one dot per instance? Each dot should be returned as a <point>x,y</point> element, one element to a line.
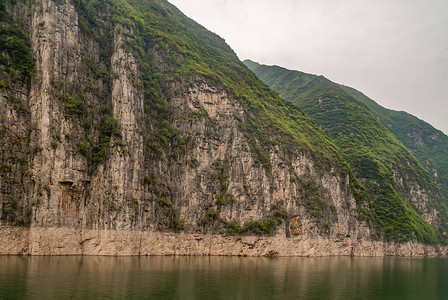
<point>222,277</point>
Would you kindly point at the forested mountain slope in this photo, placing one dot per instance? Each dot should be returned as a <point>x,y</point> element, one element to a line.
<point>429,145</point>
<point>400,187</point>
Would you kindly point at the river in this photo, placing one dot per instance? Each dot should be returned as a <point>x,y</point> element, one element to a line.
<point>183,277</point>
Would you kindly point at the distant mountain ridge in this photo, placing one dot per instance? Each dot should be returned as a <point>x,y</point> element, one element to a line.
<point>386,167</point>
<point>429,145</point>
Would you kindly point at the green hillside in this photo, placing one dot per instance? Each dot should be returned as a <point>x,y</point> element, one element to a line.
<point>429,145</point>
<point>388,170</point>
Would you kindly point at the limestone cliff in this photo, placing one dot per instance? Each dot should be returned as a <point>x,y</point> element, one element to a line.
<point>135,119</point>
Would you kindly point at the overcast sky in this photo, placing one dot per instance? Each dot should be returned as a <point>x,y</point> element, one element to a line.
<point>395,52</point>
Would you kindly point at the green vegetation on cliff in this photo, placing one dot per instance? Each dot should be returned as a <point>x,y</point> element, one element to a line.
<point>387,169</point>
<point>172,49</point>
<point>429,145</point>
<point>194,52</point>
<point>15,53</point>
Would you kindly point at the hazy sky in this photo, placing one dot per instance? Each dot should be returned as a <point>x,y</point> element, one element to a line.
<point>395,52</point>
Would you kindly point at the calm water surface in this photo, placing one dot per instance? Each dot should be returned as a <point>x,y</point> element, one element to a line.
<point>80,277</point>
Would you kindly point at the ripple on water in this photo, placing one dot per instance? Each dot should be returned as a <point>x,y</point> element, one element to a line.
<point>169,277</point>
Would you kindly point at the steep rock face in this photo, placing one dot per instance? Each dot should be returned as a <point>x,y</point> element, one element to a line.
<point>88,154</point>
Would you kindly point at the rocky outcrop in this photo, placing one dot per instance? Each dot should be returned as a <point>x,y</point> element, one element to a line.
<point>66,241</point>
